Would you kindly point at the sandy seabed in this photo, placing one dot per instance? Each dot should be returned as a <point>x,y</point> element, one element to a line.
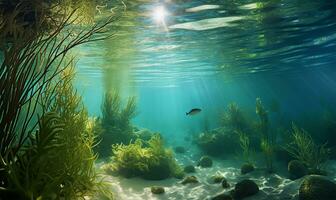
<point>276,186</point>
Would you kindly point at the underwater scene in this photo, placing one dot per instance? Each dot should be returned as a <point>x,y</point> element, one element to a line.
<point>167,100</point>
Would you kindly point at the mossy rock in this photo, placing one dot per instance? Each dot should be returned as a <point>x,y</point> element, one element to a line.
<point>205,162</point>
<point>246,168</point>
<point>189,179</point>
<point>158,172</point>
<point>222,196</point>
<point>245,188</point>
<point>297,169</point>
<point>225,183</point>
<point>189,169</point>
<point>218,178</point>
<point>157,190</point>
<point>179,149</point>
<point>316,187</point>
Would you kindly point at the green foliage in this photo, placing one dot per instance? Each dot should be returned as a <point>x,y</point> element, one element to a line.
<point>234,118</point>
<point>218,142</point>
<point>248,152</point>
<point>58,162</point>
<point>149,160</point>
<point>116,122</point>
<point>304,149</point>
<point>267,147</point>
<point>267,140</point>
<point>263,117</point>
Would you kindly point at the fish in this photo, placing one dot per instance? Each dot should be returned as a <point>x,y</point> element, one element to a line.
<point>194,111</point>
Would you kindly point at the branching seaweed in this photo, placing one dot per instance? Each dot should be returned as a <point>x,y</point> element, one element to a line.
<point>58,160</point>
<point>115,122</point>
<point>247,151</point>
<point>267,140</point>
<point>149,160</point>
<point>29,66</point>
<point>304,149</point>
<point>234,118</point>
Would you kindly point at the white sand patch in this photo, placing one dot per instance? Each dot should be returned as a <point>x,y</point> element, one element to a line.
<point>206,24</point>
<point>202,7</point>
<point>272,186</point>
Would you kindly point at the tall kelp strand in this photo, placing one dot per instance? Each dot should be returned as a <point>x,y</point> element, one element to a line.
<point>46,147</point>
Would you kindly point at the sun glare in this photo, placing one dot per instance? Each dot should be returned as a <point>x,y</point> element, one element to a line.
<point>159,16</point>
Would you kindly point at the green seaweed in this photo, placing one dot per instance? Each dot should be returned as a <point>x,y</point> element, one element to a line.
<point>115,122</point>
<point>234,118</point>
<point>149,160</point>
<point>58,160</point>
<point>247,151</point>
<point>267,140</point>
<point>304,149</point>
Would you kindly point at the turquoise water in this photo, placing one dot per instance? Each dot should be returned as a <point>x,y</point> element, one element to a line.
<point>207,54</point>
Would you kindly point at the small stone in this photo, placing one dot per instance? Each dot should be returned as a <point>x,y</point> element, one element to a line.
<point>189,169</point>
<point>157,190</point>
<point>205,161</point>
<point>189,179</point>
<point>246,168</point>
<point>179,149</point>
<point>225,183</point>
<point>316,187</point>
<point>297,169</point>
<point>218,178</point>
<point>244,189</point>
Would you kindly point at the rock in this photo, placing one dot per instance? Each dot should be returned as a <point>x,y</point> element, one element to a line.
<point>222,196</point>
<point>244,189</point>
<point>205,161</point>
<point>225,183</point>
<point>246,168</point>
<point>189,169</point>
<point>218,178</point>
<point>316,187</point>
<point>179,149</point>
<point>189,179</point>
<point>157,190</point>
<point>297,169</point>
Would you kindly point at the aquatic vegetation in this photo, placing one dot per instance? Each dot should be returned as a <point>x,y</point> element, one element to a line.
<point>149,160</point>
<point>234,118</point>
<point>247,151</point>
<point>29,65</point>
<point>115,122</point>
<point>58,160</point>
<point>268,150</point>
<point>304,149</point>
<point>266,140</point>
<point>218,142</point>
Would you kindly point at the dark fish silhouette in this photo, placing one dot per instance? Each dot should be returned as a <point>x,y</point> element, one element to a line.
<point>193,111</point>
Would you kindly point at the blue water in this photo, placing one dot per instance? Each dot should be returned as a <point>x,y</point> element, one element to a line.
<point>207,57</point>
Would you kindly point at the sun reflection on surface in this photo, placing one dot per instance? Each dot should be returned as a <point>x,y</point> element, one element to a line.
<point>159,16</point>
